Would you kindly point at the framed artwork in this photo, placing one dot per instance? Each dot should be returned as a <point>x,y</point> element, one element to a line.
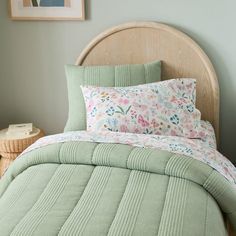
<point>47,9</point>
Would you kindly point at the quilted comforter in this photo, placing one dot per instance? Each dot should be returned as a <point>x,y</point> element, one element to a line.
<point>97,188</point>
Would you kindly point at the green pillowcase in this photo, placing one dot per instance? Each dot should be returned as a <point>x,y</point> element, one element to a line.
<point>105,76</point>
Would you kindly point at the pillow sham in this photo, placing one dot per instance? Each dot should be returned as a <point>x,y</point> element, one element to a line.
<point>162,108</point>
<point>207,134</point>
<point>106,76</point>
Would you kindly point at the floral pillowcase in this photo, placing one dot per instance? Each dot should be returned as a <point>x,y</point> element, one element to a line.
<point>162,108</point>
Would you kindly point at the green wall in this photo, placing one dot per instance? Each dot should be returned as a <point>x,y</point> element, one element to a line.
<point>33,55</point>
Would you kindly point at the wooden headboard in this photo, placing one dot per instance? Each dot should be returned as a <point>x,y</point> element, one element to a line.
<point>141,42</point>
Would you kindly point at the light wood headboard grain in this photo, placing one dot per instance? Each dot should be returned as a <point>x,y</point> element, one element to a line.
<point>141,42</point>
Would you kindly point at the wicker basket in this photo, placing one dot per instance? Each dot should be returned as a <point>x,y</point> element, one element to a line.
<point>10,155</point>
<point>18,144</point>
<point>13,146</point>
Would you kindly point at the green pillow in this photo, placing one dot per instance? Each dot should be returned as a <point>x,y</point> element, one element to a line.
<point>105,76</point>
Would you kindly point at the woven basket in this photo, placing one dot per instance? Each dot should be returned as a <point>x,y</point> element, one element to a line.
<point>11,147</point>
<point>10,155</point>
<point>18,145</point>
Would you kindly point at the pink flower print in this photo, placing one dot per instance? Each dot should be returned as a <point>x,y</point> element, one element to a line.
<point>192,133</point>
<point>141,106</point>
<point>154,123</point>
<point>90,105</point>
<point>174,99</point>
<point>123,128</point>
<point>133,114</point>
<point>143,122</point>
<point>137,131</point>
<point>123,101</point>
<point>183,100</point>
<point>178,101</point>
<point>173,133</point>
<point>113,96</point>
<point>189,86</point>
<point>126,101</point>
<point>201,134</point>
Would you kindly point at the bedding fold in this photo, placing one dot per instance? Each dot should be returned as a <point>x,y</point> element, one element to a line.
<point>88,188</point>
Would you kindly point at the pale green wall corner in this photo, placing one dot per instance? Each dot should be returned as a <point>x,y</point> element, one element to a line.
<point>33,54</point>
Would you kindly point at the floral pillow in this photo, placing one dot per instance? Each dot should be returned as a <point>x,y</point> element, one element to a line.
<point>207,134</point>
<point>162,108</point>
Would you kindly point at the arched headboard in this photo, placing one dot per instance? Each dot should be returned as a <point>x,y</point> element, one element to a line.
<point>141,42</point>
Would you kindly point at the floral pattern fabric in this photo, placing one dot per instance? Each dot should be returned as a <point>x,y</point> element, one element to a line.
<point>207,134</point>
<point>162,108</point>
<point>193,148</point>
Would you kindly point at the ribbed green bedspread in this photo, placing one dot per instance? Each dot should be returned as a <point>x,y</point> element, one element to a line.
<point>82,188</point>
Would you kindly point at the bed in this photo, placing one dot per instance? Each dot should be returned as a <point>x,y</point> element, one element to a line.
<point>88,183</point>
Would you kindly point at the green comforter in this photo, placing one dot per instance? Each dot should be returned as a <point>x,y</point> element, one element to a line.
<point>83,188</point>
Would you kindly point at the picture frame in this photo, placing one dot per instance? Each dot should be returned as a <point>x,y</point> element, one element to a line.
<point>47,9</point>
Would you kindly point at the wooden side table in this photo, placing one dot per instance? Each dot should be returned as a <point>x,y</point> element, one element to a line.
<point>12,146</point>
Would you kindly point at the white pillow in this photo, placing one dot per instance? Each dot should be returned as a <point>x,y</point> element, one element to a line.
<point>162,108</point>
